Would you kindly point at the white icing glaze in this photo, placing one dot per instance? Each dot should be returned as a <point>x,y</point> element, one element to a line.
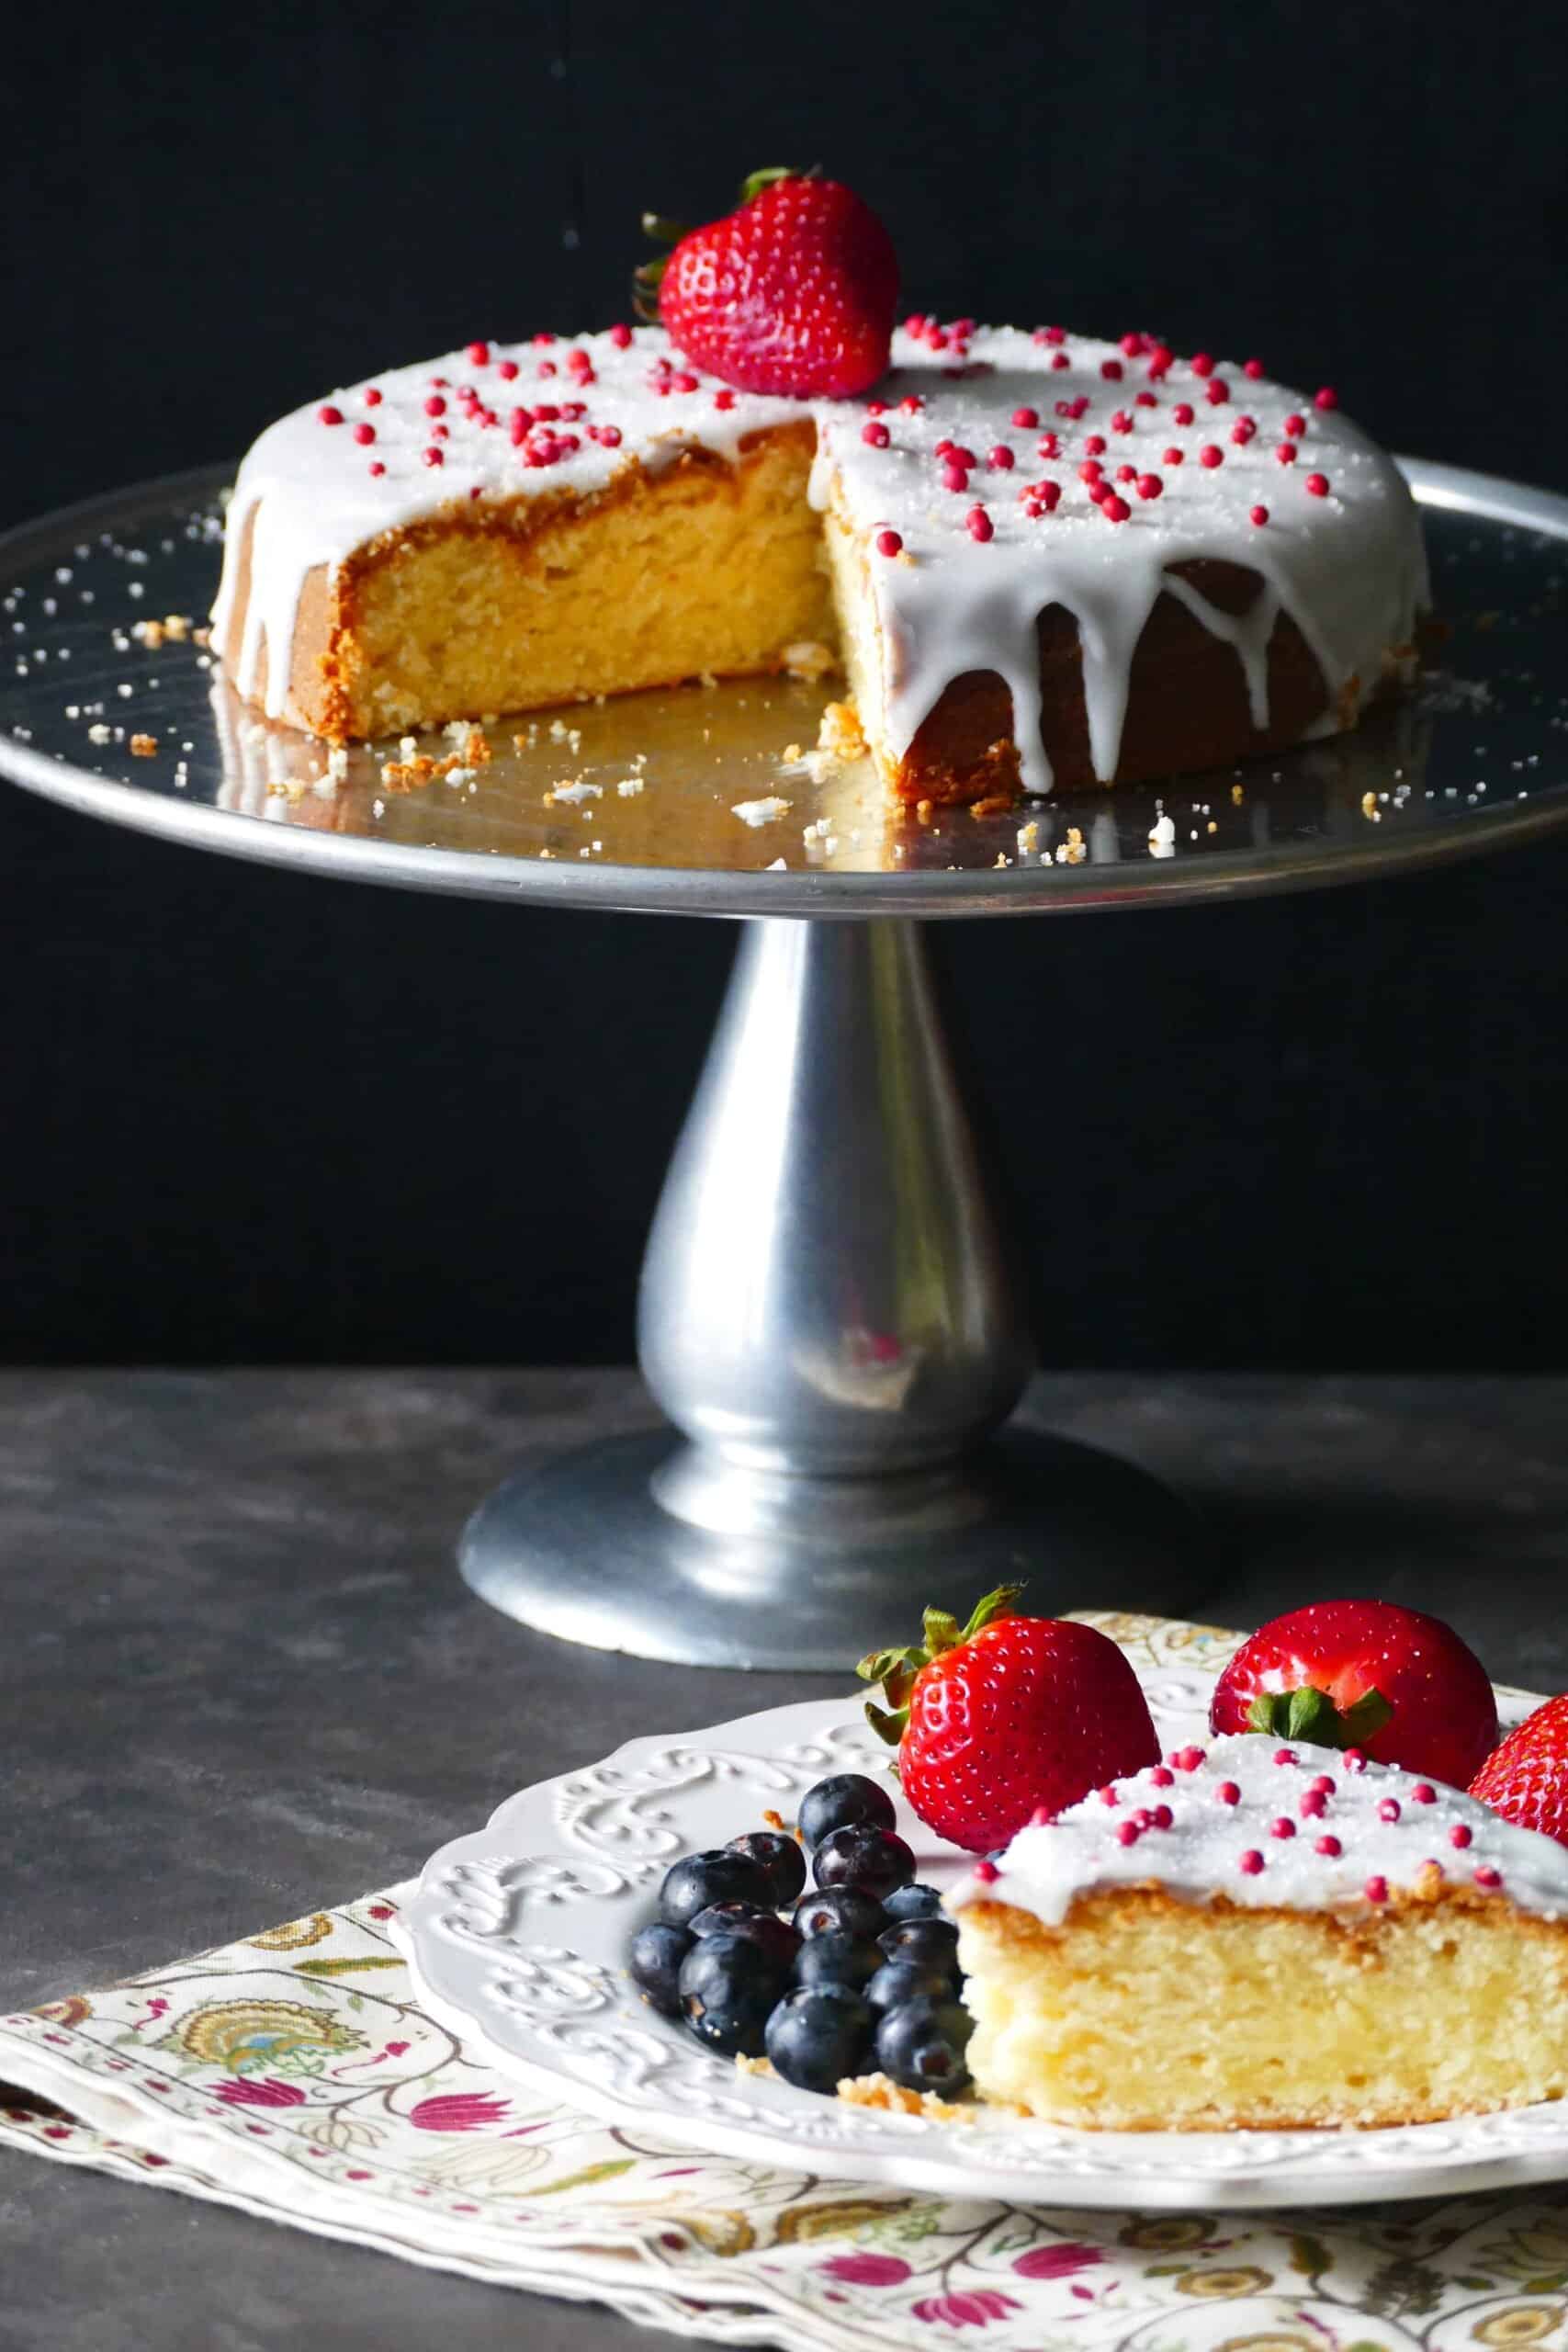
<point>1200,1855</point>
<point>1348,568</point>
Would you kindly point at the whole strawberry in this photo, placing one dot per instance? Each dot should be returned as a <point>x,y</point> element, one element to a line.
<point>794,292</point>
<point>1526,1779</point>
<point>1009,1716</point>
<point>1367,1674</point>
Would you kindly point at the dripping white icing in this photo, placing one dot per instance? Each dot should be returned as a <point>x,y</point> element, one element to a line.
<point>1200,1854</point>
<point>1348,568</point>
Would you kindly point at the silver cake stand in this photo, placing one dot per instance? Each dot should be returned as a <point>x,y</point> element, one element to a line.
<point>831,1313</point>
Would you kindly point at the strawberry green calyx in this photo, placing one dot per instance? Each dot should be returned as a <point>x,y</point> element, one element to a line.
<point>896,1670</point>
<point>755,182</point>
<point>1311,1714</point>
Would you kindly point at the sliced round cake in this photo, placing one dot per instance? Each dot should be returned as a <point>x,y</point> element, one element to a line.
<point>1043,559</point>
<point>1257,1935</point>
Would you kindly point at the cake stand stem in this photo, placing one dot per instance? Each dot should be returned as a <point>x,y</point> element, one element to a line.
<point>831,1316</point>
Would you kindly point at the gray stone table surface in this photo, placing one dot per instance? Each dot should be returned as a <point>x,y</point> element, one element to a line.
<point>239,1678</point>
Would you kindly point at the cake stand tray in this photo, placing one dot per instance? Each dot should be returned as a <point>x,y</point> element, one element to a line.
<point>830,1310</point>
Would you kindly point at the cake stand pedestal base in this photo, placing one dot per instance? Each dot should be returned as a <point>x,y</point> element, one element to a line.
<point>581,1548</point>
<point>831,1314</point>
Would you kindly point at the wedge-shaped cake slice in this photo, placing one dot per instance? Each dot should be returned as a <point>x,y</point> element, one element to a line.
<point>1253,1935</point>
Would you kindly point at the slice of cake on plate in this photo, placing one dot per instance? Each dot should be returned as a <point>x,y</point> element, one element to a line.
<point>1274,1936</point>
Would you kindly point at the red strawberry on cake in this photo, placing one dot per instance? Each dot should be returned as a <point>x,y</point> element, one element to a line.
<point>1397,1684</point>
<point>1007,1719</point>
<point>1526,1779</point>
<point>794,292</point>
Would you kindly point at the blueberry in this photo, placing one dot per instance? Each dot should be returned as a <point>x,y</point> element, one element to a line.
<point>654,1961</point>
<point>840,1906</point>
<point>727,1989</point>
<point>817,2036</point>
<point>771,1936</point>
<point>929,1943</point>
<point>718,1876</point>
<point>847,1797</point>
<point>921,2046</point>
<point>913,1902</point>
<point>898,1982</point>
<point>872,1860</point>
<point>836,1958</point>
<point>780,1857</point>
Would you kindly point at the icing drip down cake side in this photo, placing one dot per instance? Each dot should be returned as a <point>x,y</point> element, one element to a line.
<point>1258,1936</point>
<point>1042,561</point>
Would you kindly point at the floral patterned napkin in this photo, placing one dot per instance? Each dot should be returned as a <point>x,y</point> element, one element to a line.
<point>295,2075</point>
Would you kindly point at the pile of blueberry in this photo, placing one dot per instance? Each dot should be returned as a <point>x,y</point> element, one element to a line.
<point>862,1974</point>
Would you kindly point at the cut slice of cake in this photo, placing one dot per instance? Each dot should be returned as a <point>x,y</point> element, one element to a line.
<point>1253,1935</point>
<point>1047,561</point>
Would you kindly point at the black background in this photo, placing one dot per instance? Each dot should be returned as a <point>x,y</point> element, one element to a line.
<point>250,1117</point>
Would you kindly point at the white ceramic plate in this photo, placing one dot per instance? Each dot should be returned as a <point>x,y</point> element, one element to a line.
<point>516,1936</point>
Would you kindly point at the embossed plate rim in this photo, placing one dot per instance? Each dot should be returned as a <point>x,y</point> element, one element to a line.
<point>558,2012</point>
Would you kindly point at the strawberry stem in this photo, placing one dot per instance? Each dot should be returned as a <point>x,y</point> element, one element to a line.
<point>755,182</point>
<point>896,1670</point>
<point>1311,1714</point>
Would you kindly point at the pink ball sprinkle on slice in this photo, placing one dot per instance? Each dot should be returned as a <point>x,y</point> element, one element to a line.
<point>327,414</point>
<point>1295,427</point>
<point>1128,1834</point>
<point>477,355</point>
<point>1376,1890</point>
<point>1211,454</point>
<point>434,458</point>
<point>364,435</point>
<point>1486,1876</point>
<point>1284,1756</point>
<point>888,543</point>
<point>1354,1760</point>
<point>955,477</point>
<point>1329,1846</point>
<point>1201,364</point>
<point>1114,509</point>
<point>1286,453</point>
<point>874,435</point>
<point>1257,514</point>
<point>1326,397</point>
<point>978,524</point>
<point>1283,1827</point>
<point>1000,459</point>
<point>1460,1834</point>
<point>377,467</point>
<point>1109,1796</point>
<point>1252,1861</point>
<point>1388,1809</point>
<point>1228,1794</point>
<point>372,396</point>
<point>507,370</point>
<point>1026,419</point>
<point>1423,1793</point>
<point>1183,412</point>
<point>1187,1759</point>
<point>620,335</point>
<point>1252,370</point>
<point>1318,485</point>
<point>987,1872</point>
<point>1314,1806</point>
<point>1162,1777</point>
<point>1172,458</point>
<point>1161,1817</point>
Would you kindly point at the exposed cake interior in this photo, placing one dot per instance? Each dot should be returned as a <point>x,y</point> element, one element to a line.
<point>1361,1964</point>
<point>1044,561</point>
